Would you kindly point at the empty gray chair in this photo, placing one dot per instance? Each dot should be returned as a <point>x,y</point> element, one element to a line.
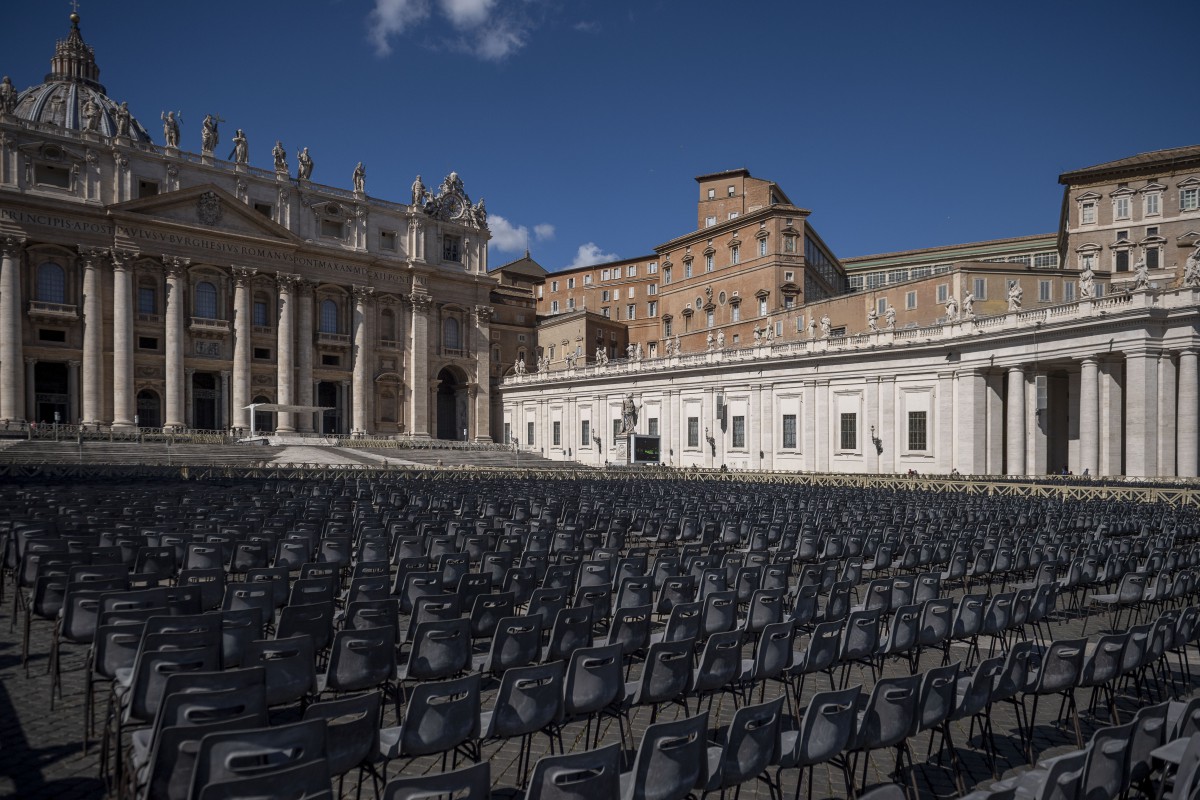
<point>441,717</point>
<point>749,747</point>
<point>671,761</point>
<point>589,775</point>
<point>825,730</point>
<point>351,734</point>
<point>257,751</point>
<point>887,719</point>
<point>593,684</point>
<point>1058,673</point>
<point>1107,764</point>
<point>719,666</point>
<point>469,783</point>
<point>528,701</point>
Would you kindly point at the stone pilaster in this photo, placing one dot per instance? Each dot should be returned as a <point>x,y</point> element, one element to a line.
<point>176,269</point>
<point>971,431</point>
<point>12,404</point>
<point>1166,416</point>
<point>483,374</point>
<point>242,330</point>
<point>1189,409</point>
<point>284,356</point>
<point>1089,416</point>
<point>362,361</point>
<point>93,336</point>
<point>304,352</point>
<point>1016,421</point>
<point>1141,413</point>
<point>124,396</point>
<point>945,447</point>
<point>418,366</point>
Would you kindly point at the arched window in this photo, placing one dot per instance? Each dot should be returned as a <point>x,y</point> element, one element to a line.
<point>329,316</point>
<point>387,325</point>
<point>206,300</point>
<point>450,336</point>
<point>51,283</point>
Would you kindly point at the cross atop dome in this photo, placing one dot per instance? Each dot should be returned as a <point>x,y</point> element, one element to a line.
<point>74,61</point>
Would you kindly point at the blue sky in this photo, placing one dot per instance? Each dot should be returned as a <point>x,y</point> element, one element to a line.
<point>583,124</point>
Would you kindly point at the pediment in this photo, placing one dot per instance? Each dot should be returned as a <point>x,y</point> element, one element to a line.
<point>1087,196</point>
<point>206,207</point>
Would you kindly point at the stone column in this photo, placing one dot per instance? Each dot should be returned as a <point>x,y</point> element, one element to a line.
<point>970,433</point>
<point>1016,421</point>
<point>1189,408</point>
<point>93,337</point>
<point>754,423</point>
<point>1112,404</point>
<point>483,374</point>
<point>1166,416</point>
<point>242,330</point>
<point>72,392</point>
<point>11,403</point>
<point>284,356</point>
<point>176,269</point>
<point>124,396</point>
<point>1141,413</point>
<point>418,368</point>
<point>31,389</point>
<point>362,361</point>
<point>944,443</point>
<point>304,353</point>
<point>223,408</point>
<point>995,423</point>
<point>1089,416</point>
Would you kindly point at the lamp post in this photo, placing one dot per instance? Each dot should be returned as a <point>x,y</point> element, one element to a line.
<point>57,419</point>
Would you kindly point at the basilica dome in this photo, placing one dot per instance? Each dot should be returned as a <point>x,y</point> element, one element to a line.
<point>72,89</point>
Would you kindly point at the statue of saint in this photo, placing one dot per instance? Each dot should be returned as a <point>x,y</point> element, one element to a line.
<point>630,351</point>
<point>209,135</point>
<point>241,152</point>
<point>757,335</point>
<point>479,214</point>
<point>770,334</point>
<point>1191,269</point>
<point>1141,274</point>
<point>8,96</point>
<point>601,355</point>
<point>951,309</point>
<point>721,340</point>
<point>124,118</point>
<point>305,165</point>
<point>968,305</point>
<point>280,157</point>
<point>708,341</point>
<point>91,114</point>
<point>889,317</point>
<point>629,414</point>
<point>1015,293</point>
<point>826,326</point>
<point>170,129</point>
<point>638,354</point>
<point>1087,282</point>
<point>520,366</point>
<point>418,192</point>
<point>360,179</point>
<point>679,348</point>
<point>873,319</point>
<point>812,327</point>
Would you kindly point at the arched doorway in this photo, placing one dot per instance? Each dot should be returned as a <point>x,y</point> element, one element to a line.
<point>206,396</point>
<point>451,406</point>
<point>329,394</point>
<point>51,392</point>
<point>149,409</point>
<point>264,421</point>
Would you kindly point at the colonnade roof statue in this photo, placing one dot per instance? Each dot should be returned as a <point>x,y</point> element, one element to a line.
<point>71,96</point>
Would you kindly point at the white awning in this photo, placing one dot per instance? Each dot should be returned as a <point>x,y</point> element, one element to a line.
<point>286,408</point>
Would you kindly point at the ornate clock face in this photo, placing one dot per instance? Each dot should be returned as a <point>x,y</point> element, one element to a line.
<point>455,206</point>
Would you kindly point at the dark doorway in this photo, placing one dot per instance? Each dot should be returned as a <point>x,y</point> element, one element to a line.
<point>264,421</point>
<point>329,394</point>
<point>451,416</point>
<point>149,409</point>
<point>50,392</point>
<point>206,398</point>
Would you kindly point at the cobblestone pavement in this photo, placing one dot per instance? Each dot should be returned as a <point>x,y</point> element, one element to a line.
<point>42,754</point>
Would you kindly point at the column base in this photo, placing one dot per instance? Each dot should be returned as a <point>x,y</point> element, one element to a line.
<point>484,439</point>
<point>123,426</point>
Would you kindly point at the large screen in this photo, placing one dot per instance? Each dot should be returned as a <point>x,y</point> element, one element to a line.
<point>646,450</point>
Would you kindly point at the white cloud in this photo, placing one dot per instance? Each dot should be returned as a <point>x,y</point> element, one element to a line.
<point>391,18</point>
<point>507,237</point>
<point>467,13</point>
<point>544,231</point>
<point>498,40</point>
<point>589,254</point>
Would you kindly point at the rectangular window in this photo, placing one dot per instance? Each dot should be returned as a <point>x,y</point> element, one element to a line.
<point>1068,291</point>
<point>652,426</point>
<point>1122,236</point>
<point>147,343</point>
<point>52,175</point>
<point>849,431</point>
<point>630,311</point>
<point>570,283</point>
<point>604,296</point>
<point>732,190</point>
<point>333,229</point>
<point>710,221</point>
<point>779,328</point>
<point>529,433</point>
<point>554,286</point>
<point>1189,199</point>
<point>606,312</point>
<point>788,301</point>
<point>1045,291</point>
<point>735,255</point>
<point>1121,261</point>
<point>762,306</point>
<point>587,280</point>
<point>789,244</point>
<point>693,432</point>
<point>881,305</point>
<point>762,247</point>
<point>708,263</point>
<point>652,289</point>
<point>570,304</point>
<point>585,433</point>
<point>1121,208</point>
<point>631,271</point>
<point>260,314</point>
<point>556,433</point>
<point>943,292</point>
<point>508,433</point>
<point>980,289</point>
<point>1087,213</point>
<point>262,353</point>
<point>330,360</point>
<point>735,312</point>
<point>616,426</point>
<point>687,269</point>
<point>652,308</point>
<point>666,275</point>
<point>1045,260</point>
<point>387,239</point>
<point>604,274</point>
<point>652,268</point>
<point>1153,204</point>
<point>710,318</point>
<point>917,431</point>
<point>553,306</point>
<point>910,301</point>
<point>150,189</point>
<point>789,431</point>
<point>147,300</point>
<point>1152,257</point>
<point>739,432</point>
<point>667,327</point>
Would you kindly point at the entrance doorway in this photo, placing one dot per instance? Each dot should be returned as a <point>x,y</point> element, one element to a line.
<point>329,394</point>
<point>50,392</point>
<point>206,398</point>
<point>264,421</point>
<point>451,407</point>
<point>149,409</point>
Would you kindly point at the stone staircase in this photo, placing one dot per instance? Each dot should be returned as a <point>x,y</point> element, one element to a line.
<point>94,452</point>
<point>502,459</point>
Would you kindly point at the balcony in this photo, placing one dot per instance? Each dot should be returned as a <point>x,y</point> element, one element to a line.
<point>57,312</point>
<point>339,340</point>
<point>203,325</point>
<point>149,319</point>
<point>264,330</point>
<point>454,352</point>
